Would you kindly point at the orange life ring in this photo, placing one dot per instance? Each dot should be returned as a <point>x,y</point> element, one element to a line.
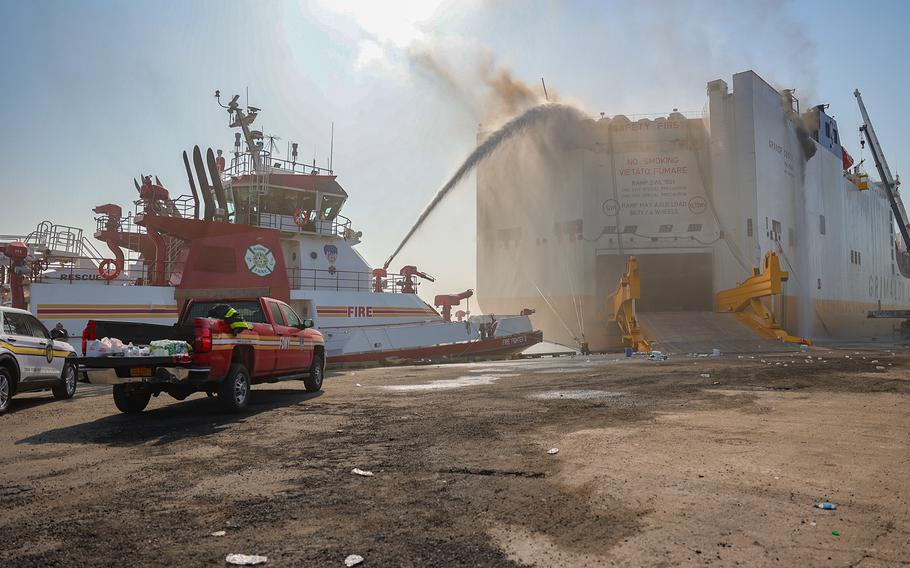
<point>301,217</point>
<point>104,269</point>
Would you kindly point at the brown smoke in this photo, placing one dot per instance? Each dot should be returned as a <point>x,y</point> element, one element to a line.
<point>508,96</point>
<point>488,90</point>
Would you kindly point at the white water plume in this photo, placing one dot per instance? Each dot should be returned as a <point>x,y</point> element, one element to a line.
<point>510,129</point>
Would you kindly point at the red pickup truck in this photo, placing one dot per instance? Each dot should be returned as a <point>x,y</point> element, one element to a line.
<point>280,346</point>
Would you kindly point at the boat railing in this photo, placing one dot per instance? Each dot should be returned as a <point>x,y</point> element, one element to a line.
<point>242,164</point>
<point>182,206</point>
<point>85,270</point>
<point>348,280</point>
<point>340,226</point>
<point>50,239</point>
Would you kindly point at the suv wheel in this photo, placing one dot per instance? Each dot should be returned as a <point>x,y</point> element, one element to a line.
<point>66,388</point>
<point>6,388</point>
<point>130,399</point>
<point>314,382</point>
<point>234,389</point>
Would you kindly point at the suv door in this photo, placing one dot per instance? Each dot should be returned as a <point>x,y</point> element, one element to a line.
<point>30,351</point>
<point>302,353</point>
<point>55,358</point>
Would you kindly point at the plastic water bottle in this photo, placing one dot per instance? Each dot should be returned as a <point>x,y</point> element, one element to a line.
<point>827,506</point>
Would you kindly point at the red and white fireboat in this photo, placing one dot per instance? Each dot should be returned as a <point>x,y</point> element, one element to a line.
<point>258,226</point>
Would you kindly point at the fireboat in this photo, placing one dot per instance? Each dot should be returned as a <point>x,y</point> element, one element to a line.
<point>256,226</point>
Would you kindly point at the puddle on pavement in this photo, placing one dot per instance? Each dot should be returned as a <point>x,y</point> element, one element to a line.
<point>444,384</point>
<point>576,395</point>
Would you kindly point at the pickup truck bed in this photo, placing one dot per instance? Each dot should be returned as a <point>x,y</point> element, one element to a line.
<point>143,333</point>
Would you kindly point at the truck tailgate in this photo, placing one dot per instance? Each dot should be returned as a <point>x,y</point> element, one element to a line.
<point>118,370</point>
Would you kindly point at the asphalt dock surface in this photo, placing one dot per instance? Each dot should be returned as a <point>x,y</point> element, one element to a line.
<point>689,461</point>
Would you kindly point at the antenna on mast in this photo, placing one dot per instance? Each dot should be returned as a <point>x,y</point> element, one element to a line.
<point>331,147</point>
<point>545,95</point>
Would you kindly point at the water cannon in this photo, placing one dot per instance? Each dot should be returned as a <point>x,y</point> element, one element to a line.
<point>408,283</point>
<point>460,315</point>
<point>446,301</point>
<point>112,213</point>
<point>151,193</point>
<point>528,312</point>
<point>411,270</point>
<point>378,279</point>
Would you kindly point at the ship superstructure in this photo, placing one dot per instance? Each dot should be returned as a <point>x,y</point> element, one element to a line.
<point>699,200</point>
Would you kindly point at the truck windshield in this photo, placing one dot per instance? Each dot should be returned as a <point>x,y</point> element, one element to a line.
<point>250,310</point>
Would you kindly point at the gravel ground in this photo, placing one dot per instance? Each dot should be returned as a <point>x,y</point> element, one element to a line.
<point>689,461</point>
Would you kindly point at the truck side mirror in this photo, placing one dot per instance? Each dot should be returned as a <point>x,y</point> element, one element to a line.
<point>306,324</point>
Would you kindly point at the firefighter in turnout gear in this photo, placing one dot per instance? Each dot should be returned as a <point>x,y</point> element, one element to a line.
<point>231,316</point>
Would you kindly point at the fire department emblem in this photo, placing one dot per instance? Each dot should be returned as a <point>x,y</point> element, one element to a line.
<point>259,260</point>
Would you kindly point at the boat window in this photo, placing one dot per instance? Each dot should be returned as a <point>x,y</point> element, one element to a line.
<point>821,224</point>
<point>329,206</point>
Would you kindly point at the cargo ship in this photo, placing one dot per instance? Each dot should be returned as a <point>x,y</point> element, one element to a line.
<point>706,205</point>
<point>251,225</point>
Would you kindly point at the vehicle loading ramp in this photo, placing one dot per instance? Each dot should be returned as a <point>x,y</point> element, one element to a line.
<point>701,332</point>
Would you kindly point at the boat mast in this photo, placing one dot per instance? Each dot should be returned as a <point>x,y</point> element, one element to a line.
<point>238,118</point>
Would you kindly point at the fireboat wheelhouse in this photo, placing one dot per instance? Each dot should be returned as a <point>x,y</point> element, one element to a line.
<point>258,226</point>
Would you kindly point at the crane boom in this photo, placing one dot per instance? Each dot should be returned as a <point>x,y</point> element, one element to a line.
<point>884,172</point>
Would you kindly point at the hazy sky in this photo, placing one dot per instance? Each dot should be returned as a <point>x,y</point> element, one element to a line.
<point>93,92</point>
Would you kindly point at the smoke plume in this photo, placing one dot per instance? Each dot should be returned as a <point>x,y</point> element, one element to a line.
<point>487,89</point>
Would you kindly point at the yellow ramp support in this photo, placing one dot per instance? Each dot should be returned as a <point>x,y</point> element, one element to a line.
<point>621,305</point>
<point>745,300</point>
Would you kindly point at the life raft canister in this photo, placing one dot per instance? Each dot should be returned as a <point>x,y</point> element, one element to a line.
<point>105,270</point>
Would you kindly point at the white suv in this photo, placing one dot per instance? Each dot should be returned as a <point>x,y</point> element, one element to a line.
<point>30,360</point>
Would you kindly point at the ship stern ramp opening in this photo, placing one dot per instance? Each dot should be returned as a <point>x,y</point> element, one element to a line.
<point>674,306</point>
<point>702,332</point>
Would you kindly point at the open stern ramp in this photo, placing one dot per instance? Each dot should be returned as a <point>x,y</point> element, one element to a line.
<point>702,332</point>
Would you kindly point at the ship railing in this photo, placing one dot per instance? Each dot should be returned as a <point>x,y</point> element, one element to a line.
<point>127,224</point>
<point>340,226</point>
<point>242,164</point>
<point>182,206</point>
<point>347,280</point>
<point>51,239</point>
<point>85,270</point>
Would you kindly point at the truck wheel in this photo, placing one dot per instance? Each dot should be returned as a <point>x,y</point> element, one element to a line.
<point>234,389</point>
<point>314,382</point>
<point>6,388</point>
<point>131,400</point>
<point>66,388</point>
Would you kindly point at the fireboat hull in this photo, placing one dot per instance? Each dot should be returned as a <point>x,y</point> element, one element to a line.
<point>494,347</point>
